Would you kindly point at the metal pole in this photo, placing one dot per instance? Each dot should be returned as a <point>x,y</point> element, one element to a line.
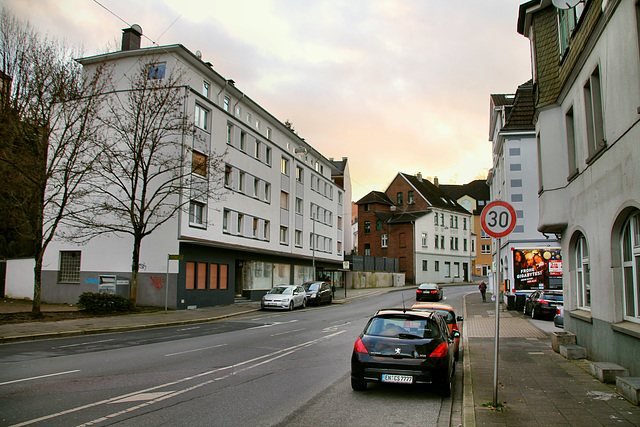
<point>166,287</point>
<point>313,245</point>
<point>496,294</point>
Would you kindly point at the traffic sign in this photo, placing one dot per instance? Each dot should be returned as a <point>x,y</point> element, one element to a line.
<point>498,219</point>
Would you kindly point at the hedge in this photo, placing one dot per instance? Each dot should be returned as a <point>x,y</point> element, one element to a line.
<point>92,302</point>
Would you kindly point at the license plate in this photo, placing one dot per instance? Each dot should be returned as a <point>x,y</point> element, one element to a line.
<point>402,379</point>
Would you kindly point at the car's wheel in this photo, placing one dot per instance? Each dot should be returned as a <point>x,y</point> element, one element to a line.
<point>330,300</point>
<point>358,384</point>
<point>291,306</point>
<point>304,303</point>
<point>524,311</point>
<point>533,312</point>
<point>446,387</point>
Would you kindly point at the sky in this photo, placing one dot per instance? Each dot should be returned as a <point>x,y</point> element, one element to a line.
<point>393,85</point>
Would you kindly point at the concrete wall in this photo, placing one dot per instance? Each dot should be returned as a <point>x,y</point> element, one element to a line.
<point>373,279</point>
<point>19,278</point>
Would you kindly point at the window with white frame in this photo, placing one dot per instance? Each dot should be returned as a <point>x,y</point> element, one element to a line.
<point>205,89</point>
<point>255,227</point>
<point>593,111</point>
<point>571,142</point>
<point>299,205</point>
<point>284,235</point>
<point>299,174</point>
<point>384,240</point>
<point>256,153</point>
<point>243,141</point>
<point>486,249</point>
<point>265,230</point>
<point>424,240</point>
<point>447,269</point>
<point>225,220</point>
<point>196,213</point>
<point>437,242</point>
<point>229,133</point>
<point>225,106</point>
<point>425,265</point>
<point>284,166</point>
<point>69,269</point>
<point>267,192</point>
<point>456,269</point>
<point>284,200</point>
<point>299,238</point>
<point>582,273</point>
<point>201,117</point>
<point>631,267</point>
<point>240,224</point>
<point>435,219</point>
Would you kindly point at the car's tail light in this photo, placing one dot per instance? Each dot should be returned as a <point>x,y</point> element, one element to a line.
<point>441,350</point>
<point>455,327</point>
<point>543,301</point>
<point>359,347</point>
<point>558,311</point>
<point>419,291</point>
<point>434,292</point>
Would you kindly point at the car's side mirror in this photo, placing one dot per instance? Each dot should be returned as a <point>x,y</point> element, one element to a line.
<point>459,319</point>
<point>456,334</point>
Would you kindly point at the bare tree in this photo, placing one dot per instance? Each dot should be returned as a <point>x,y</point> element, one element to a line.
<point>148,172</point>
<point>49,141</point>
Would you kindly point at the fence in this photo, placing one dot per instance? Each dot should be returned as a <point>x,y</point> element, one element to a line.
<point>372,263</point>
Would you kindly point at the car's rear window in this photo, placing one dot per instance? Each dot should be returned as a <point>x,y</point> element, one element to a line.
<point>312,287</point>
<point>552,297</point>
<point>402,327</point>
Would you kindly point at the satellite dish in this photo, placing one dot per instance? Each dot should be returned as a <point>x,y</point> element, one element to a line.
<point>198,54</point>
<point>565,4</point>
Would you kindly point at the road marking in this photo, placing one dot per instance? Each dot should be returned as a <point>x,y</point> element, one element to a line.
<point>83,343</point>
<point>234,369</point>
<point>196,349</point>
<point>286,332</point>
<point>39,377</point>
<point>273,324</point>
<point>142,397</point>
<point>188,329</point>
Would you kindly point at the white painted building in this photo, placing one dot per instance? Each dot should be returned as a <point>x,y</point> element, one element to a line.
<point>587,74</point>
<point>514,179</point>
<point>280,215</point>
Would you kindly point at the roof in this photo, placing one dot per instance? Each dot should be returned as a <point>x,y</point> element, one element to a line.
<point>375,197</point>
<point>400,217</point>
<point>339,166</point>
<point>436,197</point>
<point>500,99</point>
<point>521,115</point>
<point>477,189</point>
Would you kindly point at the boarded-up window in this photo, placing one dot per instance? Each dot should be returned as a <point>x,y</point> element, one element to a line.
<point>202,275</point>
<point>190,275</point>
<point>213,276</point>
<point>223,276</point>
<point>199,163</point>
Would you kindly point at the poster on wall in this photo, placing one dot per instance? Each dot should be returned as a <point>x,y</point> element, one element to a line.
<point>537,269</point>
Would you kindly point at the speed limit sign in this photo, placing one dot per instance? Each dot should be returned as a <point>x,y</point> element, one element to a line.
<point>498,219</point>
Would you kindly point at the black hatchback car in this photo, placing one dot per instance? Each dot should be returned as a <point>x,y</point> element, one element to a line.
<point>543,304</point>
<point>318,292</point>
<point>404,347</point>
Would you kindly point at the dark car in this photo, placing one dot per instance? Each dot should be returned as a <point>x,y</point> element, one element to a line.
<point>449,316</point>
<point>429,292</point>
<point>318,292</point>
<point>404,347</point>
<point>543,304</point>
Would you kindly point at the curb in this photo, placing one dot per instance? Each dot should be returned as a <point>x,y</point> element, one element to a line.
<point>468,402</point>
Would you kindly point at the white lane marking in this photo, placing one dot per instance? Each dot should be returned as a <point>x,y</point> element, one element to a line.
<point>188,329</point>
<point>196,349</point>
<point>273,324</point>
<point>268,358</point>
<point>39,377</point>
<point>142,397</point>
<point>83,343</point>
<point>287,332</point>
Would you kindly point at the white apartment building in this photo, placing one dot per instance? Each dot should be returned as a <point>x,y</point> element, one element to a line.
<point>514,179</point>
<point>280,215</point>
<point>586,68</point>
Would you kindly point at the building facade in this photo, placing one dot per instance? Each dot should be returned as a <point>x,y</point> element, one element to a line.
<point>528,259</point>
<point>279,217</point>
<point>586,69</point>
<point>420,225</point>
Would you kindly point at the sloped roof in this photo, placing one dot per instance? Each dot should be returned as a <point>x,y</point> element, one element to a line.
<point>477,189</point>
<point>400,217</point>
<point>375,197</point>
<point>339,166</point>
<point>502,99</point>
<point>433,194</point>
<point>521,115</point>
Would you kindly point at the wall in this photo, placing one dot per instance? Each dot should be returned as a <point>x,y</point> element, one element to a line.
<point>372,279</point>
<point>19,278</point>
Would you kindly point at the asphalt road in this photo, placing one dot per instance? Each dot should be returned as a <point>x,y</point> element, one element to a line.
<point>269,368</point>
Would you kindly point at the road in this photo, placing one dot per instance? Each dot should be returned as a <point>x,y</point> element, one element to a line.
<point>264,369</point>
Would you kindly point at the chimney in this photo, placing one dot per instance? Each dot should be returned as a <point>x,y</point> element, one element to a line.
<point>419,176</point>
<point>435,181</point>
<point>131,37</point>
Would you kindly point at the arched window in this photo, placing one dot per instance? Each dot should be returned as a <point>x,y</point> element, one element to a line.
<point>379,224</point>
<point>631,266</point>
<point>583,282</point>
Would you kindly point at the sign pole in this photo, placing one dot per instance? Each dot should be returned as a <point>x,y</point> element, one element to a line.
<point>496,294</point>
<point>166,286</point>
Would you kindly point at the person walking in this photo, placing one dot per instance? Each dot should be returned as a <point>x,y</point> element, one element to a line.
<point>483,291</point>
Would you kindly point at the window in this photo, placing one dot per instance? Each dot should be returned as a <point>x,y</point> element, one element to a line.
<point>410,198</point>
<point>631,267</point>
<point>339,223</point>
<point>464,245</point>
<point>437,245</point>
<point>464,223</point>
<point>190,279</point>
<point>299,238</point>
<point>339,249</point>
<point>582,273</point>
<point>258,124</point>
<point>299,205</point>
<point>367,227</point>
<point>256,187</point>
<point>425,265</point>
<point>340,196</point>
<point>199,163</point>
<point>456,269</point>
<point>442,219</point>
<point>267,191</point>
<point>249,118</point>
<point>441,242</point>
<point>367,249</point>
<point>201,117</point>
<point>255,227</point>
<point>269,133</point>
<point>256,153</point>
<point>571,142</point>
<point>284,166</point>
<point>593,110</point>
<point>456,240</point>
<point>367,207</point>
<point>226,104</point>
<point>299,173</point>
<point>213,276</point>
<point>447,269</point>
<point>515,167</point>
<point>243,141</point>
<point>225,220</point>
<point>399,199</point>
<point>202,275</point>
<point>567,21</point>
<point>436,265</point>
<point>238,111</point>
<point>69,269</point>
<point>379,224</point>
<point>205,89</point>
<point>229,133</point>
<point>435,219</point>
<point>284,234</point>
<point>240,224</point>
<point>196,213</point>
<point>241,180</point>
<point>156,71</point>
<point>384,240</point>
<point>451,246</point>
<point>227,176</point>
<point>486,249</point>
<point>265,230</point>
<point>267,155</point>
<point>424,240</point>
<point>284,200</point>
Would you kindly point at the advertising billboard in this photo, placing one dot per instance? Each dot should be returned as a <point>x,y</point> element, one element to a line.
<point>535,269</point>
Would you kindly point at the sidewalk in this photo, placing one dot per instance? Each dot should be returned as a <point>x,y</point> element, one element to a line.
<point>536,386</point>
<point>95,325</point>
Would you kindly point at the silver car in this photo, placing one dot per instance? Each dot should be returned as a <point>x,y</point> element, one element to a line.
<point>285,296</point>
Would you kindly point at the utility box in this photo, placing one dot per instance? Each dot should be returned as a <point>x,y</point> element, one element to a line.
<point>112,284</point>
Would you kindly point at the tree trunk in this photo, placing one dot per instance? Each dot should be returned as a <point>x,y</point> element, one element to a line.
<point>135,265</point>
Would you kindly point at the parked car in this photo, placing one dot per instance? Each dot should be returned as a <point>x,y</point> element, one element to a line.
<point>449,316</point>
<point>405,347</point>
<point>429,292</point>
<point>543,304</point>
<point>318,292</point>
<point>285,296</point>
<point>558,319</point>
